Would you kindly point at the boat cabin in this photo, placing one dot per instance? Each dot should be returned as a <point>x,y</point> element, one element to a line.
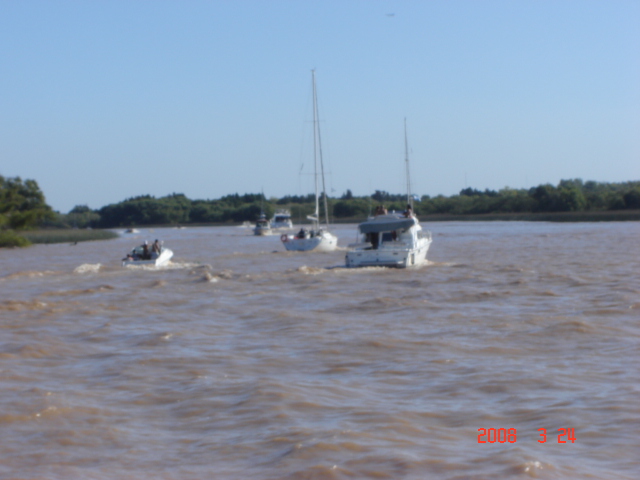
<point>389,230</point>
<point>282,219</point>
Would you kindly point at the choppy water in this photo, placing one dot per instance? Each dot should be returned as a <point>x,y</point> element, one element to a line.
<point>241,360</point>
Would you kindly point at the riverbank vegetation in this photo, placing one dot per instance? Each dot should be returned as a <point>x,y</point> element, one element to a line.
<point>68,235</point>
<point>23,208</point>
<point>570,200</point>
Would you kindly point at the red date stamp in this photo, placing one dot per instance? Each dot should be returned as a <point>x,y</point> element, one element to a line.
<point>510,435</point>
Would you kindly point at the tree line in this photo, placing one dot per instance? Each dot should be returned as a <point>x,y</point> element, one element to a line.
<point>23,205</point>
<point>176,209</point>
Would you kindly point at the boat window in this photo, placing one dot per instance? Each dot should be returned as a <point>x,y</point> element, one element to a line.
<point>374,238</point>
<point>389,236</point>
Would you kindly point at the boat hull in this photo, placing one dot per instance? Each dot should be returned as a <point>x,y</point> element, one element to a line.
<point>262,231</point>
<point>161,260</point>
<point>325,242</point>
<point>282,225</point>
<point>388,257</point>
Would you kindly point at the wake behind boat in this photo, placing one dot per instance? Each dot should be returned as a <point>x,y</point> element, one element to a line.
<point>156,256</point>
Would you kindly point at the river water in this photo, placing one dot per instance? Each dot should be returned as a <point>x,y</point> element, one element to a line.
<point>240,360</point>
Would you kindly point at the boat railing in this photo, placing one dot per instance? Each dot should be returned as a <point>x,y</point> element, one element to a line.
<point>388,245</point>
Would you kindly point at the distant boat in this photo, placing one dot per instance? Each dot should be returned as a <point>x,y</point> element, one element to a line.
<point>316,239</point>
<point>132,230</point>
<point>282,220</point>
<point>262,226</point>
<point>141,255</point>
<point>391,239</point>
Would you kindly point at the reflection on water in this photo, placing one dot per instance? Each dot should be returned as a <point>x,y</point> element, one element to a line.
<point>241,360</point>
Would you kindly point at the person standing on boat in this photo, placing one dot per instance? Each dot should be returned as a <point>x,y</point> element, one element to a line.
<point>408,212</point>
<point>156,248</point>
<point>380,210</point>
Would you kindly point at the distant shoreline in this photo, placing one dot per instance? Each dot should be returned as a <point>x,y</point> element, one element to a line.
<point>599,216</point>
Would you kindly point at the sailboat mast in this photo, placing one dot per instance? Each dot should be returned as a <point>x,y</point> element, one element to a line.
<point>315,142</point>
<point>406,160</point>
<point>324,188</point>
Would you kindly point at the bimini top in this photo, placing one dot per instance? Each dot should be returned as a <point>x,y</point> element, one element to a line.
<point>386,223</point>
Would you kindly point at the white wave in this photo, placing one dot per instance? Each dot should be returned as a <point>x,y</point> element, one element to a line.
<point>88,268</point>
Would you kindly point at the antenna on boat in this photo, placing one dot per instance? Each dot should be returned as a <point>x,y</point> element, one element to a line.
<point>406,160</point>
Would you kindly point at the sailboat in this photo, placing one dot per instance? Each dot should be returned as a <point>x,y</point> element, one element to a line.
<point>317,239</point>
<point>391,239</point>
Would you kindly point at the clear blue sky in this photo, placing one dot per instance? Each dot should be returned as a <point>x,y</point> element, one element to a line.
<point>105,100</point>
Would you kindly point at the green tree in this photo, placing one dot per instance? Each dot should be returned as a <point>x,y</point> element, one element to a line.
<point>348,208</point>
<point>632,198</point>
<point>81,216</point>
<point>571,199</point>
<point>22,204</point>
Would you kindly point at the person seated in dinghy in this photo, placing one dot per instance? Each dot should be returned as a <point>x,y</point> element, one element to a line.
<point>302,233</point>
<point>146,255</point>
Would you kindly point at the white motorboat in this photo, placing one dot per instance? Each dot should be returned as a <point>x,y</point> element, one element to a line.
<point>282,220</point>
<point>262,226</point>
<point>142,255</point>
<point>316,239</point>
<point>391,239</point>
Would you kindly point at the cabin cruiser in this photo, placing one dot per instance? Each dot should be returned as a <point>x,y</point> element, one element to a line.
<point>390,240</point>
<point>282,219</point>
<point>262,226</point>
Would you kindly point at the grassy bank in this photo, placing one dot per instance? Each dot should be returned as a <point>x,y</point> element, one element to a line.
<point>10,239</point>
<point>67,235</point>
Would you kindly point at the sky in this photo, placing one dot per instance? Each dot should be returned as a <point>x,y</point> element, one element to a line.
<point>102,100</point>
